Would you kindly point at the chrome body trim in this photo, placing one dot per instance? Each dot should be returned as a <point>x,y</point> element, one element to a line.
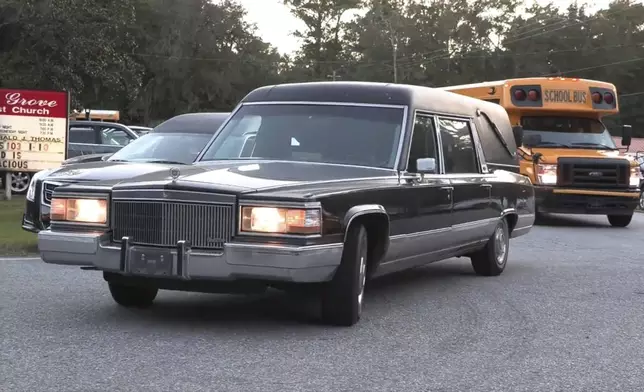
<point>316,263</point>
<point>151,194</point>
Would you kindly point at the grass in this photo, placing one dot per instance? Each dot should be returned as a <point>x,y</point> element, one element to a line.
<point>14,241</point>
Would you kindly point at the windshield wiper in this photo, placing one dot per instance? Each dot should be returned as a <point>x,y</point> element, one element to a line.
<point>554,144</point>
<point>598,145</point>
<point>164,161</point>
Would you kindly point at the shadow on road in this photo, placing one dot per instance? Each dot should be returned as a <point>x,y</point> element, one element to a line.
<point>594,221</point>
<point>278,309</point>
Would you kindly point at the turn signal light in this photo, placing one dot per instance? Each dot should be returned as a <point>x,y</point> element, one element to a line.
<point>597,98</point>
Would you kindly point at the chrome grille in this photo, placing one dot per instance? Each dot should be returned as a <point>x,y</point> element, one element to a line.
<point>593,173</point>
<point>164,223</point>
<point>48,192</point>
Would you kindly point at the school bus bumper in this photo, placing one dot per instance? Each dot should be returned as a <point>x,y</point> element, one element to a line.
<point>586,201</point>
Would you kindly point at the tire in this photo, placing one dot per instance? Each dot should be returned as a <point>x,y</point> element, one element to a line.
<point>342,298</point>
<point>131,296</point>
<point>642,199</point>
<point>492,259</point>
<point>620,220</point>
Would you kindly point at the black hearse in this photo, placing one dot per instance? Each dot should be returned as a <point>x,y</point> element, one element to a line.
<point>176,141</point>
<point>344,181</point>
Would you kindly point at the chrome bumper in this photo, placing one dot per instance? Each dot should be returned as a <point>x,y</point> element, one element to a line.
<point>315,263</point>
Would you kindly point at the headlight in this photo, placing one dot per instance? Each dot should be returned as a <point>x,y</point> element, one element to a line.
<point>280,220</point>
<point>636,177</point>
<point>547,174</point>
<point>31,191</point>
<point>79,210</point>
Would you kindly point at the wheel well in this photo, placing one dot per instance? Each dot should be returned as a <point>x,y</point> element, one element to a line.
<point>377,227</point>
<point>512,221</point>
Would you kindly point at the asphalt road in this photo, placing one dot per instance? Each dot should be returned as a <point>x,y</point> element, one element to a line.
<point>566,315</point>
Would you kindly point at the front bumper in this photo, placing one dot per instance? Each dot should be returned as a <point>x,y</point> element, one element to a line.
<point>301,264</point>
<point>582,201</point>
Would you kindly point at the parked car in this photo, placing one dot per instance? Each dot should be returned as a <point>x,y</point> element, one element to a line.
<point>85,137</point>
<point>97,137</point>
<point>640,158</point>
<point>344,182</point>
<point>176,141</point>
<point>140,130</point>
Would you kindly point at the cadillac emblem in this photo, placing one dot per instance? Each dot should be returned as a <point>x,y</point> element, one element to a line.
<point>175,173</point>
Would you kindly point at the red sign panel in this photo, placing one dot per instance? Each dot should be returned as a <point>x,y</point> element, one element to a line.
<point>33,129</point>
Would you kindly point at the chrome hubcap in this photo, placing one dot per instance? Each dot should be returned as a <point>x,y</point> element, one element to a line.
<point>363,280</point>
<point>500,245</point>
<point>19,181</point>
<point>642,201</point>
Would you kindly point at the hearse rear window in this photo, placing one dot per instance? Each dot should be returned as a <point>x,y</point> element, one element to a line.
<point>354,135</point>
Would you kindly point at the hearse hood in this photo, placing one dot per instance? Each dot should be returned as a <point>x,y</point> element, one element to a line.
<point>104,171</point>
<point>257,176</point>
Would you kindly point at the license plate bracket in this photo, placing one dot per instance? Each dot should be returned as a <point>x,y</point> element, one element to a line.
<point>151,262</point>
<point>595,203</point>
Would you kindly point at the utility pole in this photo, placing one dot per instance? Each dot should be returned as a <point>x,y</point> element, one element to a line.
<point>334,75</point>
<point>395,54</point>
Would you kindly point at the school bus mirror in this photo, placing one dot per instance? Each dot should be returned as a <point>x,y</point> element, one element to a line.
<point>517,130</point>
<point>627,135</point>
<point>531,140</point>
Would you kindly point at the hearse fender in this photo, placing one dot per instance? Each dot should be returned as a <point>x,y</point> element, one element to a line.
<point>376,221</point>
<point>512,217</point>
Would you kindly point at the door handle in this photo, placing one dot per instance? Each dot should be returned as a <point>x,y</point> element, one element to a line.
<point>447,188</point>
<point>486,185</point>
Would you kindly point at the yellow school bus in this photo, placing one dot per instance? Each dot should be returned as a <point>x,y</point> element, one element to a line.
<point>566,150</point>
<point>96,115</point>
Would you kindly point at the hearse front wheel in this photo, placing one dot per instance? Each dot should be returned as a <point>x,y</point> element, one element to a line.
<point>342,298</point>
<point>491,260</point>
<point>132,297</point>
<point>620,220</point>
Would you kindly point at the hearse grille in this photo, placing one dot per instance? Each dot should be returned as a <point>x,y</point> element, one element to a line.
<point>164,223</point>
<point>593,173</point>
<point>48,192</point>
<point>48,188</point>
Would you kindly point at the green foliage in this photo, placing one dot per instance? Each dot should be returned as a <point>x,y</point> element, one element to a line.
<point>153,59</point>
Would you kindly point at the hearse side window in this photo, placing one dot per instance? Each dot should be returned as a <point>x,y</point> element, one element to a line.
<point>423,142</point>
<point>458,148</point>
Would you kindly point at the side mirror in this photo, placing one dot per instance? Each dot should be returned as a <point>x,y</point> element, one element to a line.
<point>426,165</point>
<point>627,135</point>
<point>531,140</point>
<point>517,130</point>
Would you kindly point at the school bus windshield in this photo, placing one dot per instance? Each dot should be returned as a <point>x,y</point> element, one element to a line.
<point>567,132</point>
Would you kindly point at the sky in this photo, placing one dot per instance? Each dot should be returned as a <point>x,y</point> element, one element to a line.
<point>276,24</point>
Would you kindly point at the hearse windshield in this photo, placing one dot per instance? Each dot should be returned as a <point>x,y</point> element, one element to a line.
<point>342,134</point>
<point>179,147</point>
<point>568,132</point>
